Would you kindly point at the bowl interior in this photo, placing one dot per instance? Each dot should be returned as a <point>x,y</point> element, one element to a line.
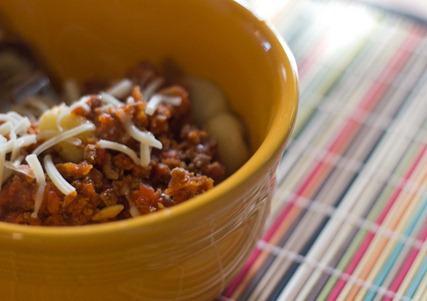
<point>210,38</point>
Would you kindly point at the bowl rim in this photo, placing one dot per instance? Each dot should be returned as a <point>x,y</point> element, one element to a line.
<point>272,144</point>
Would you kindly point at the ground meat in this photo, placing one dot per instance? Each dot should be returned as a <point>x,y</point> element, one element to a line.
<point>109,183</point>
<point>17,194</point>
<point>73,170</point>
<point>185,185</point>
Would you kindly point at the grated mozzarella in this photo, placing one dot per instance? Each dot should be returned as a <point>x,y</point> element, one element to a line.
<point>20,143</point>
<point>110,99</point>
<point>5,128</point>
<point>152,88</point>
<point>14,144</point>
<point>121,89</point>
<point>37,169</point>
<point>56,177</point>
<point>143,136</point>
<point>22,126</point>
<point>82,102</point>
<point>7,118</point>
<point>145,154</point>
<point>85,127</point>
<point>2,164</point>
<point>157,99</point>
<point>120,148</point>
<point>18,168</point>
<point>15,116</point>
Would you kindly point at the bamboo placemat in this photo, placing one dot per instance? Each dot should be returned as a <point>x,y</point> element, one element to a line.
<point>349,219</point>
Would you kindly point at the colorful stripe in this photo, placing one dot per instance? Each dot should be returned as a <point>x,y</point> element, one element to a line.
<point>349,219</point>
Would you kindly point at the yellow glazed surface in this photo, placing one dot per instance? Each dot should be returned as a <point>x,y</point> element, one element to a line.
<point>192,250</point>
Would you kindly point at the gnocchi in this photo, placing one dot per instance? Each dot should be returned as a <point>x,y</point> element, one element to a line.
<point>211,110</point>
<point>228,132</point>
<point>48,127</point>
<point>206,99</point>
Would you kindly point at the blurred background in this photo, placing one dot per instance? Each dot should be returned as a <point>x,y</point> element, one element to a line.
<point>349,220</point>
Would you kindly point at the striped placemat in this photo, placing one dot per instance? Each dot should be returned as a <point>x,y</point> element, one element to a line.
<point>349,220</point>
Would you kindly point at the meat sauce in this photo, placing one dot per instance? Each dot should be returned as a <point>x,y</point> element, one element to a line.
<point>109,184</point>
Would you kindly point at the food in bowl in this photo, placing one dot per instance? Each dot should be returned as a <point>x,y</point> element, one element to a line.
<point>191,251</point>
<point>119,151</point>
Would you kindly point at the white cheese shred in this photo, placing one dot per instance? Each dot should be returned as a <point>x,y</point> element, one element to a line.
<point>13,140</point>
<point>22,126</point>
<point>7,118</point>
<point>143,136</point>
<point>2,166</point>
<point>145,154</point>
<point>85,127</point>
<point>110,99</point>
<point>152,87</point>
<point>5,128</point>
<point>20,143</point>
<point>15,116</point>
<point>56,177</point>
<point>121,89</point>
<point>157,99</point>
<point>18,168</point>
<point>120,148</point>
<point>37,169</point>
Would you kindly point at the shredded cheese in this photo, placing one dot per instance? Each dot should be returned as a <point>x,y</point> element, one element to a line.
<point>152,88</point>
<point>143,136</point>
<point>2,161</point>
<point>16,167</point>
<point>145,154</point>
<point>82,102</point>
<point>7,118</point>
<point>20,143</point>
<point>121,89</point>
<point>110,99</point>
<point>14,144</point>
<point>120,148</point>
<point>157,99</point>
<point>5,128</point>
<point>22,126</point>
<point>15,116</point>
<point>56,177</point>
<point>37,169</point>
<point>85,127</point>
<point>14,121</point>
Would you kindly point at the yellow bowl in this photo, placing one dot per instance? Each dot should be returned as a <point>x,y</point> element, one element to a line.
<point>192,250</point>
